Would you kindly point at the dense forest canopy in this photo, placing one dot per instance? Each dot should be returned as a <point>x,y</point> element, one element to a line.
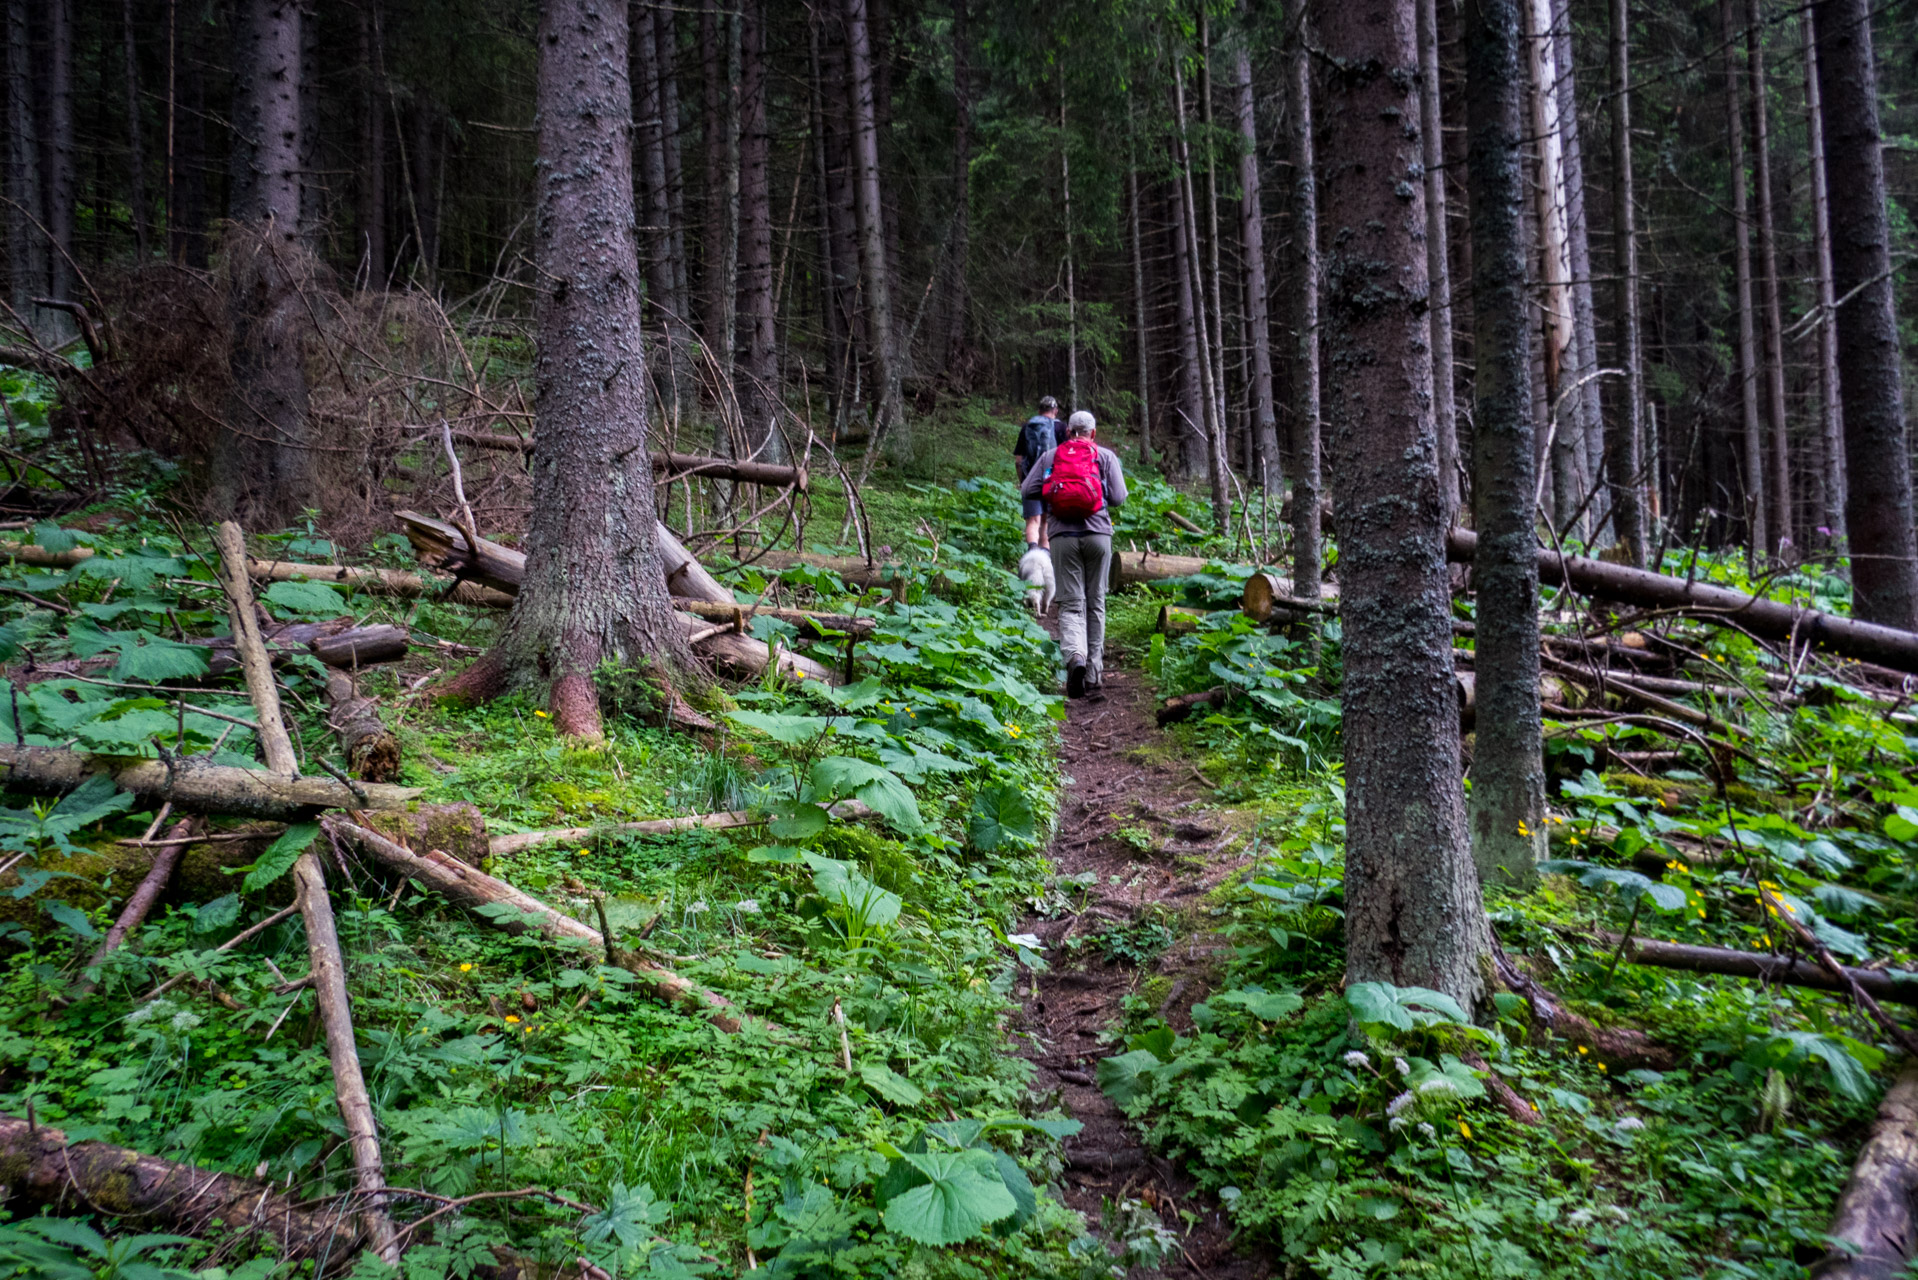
<point>535,745</point>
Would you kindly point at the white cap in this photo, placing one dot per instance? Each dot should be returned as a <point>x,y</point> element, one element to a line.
<point>1081,421</point>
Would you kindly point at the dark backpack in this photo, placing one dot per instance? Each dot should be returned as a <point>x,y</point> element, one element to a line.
<point>1072,490</point>
<point>1039,435</point>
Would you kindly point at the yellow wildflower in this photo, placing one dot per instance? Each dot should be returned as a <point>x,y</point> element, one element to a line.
<point>1573,840</point>
<point>1583,1049</point>
<point>466,968</point>
<point>1673,866</point>
<point>1465,1130</point>
<point>540,714</point>
<point>1701,913</point>
<point>584,853</point>
<point>514,1017</point>
<point>1603,1067</point>
<point>1522,831</point>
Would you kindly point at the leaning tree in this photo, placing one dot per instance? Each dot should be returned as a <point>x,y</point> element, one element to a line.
<point>1413,911</point>
<point>593,591</point>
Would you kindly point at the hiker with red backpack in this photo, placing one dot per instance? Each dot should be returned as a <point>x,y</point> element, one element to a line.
<point>1080,482</point>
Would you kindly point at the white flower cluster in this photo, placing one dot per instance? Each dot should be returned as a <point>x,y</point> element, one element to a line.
<point>1438,1087</point>
<point>1401,1066</point>
<point>1357,1060</point>
<point>1396,1109</point>
<point>1630,1124</point>
<point>1586,1217</point>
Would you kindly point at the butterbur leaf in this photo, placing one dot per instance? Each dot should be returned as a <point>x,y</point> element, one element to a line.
<point>797,820</point>
<point>280,856</point>
<point>792,730</point>
<point>51,536</point>
<point>964,1193</point>
<point>1267,1006</point>
<point>315,599</point>
<point>217,914</point>
<point>878,787</point>
<point>1024,1198</point>
<point>1001,815</point>
<point>1125,1077</point>
<point>1402,1008</point>
<point>891,1086</point>
<point>73,918</point>
<point>151,657</point>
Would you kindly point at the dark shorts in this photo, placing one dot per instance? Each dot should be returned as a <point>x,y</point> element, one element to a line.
<point>1033,507</point>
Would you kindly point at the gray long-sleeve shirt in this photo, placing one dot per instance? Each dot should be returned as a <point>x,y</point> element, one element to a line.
<point>1111,479</point>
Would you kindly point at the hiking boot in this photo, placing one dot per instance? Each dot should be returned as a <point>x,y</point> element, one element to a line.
<point>1076,680</point>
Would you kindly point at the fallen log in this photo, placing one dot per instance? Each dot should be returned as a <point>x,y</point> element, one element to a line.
<point>853,569</point>
<point>41,558</point>
<point>337,643</point>
<point>747,657</point>
<point>678,465</point>
<point>192,784</point>
<point>809,620</point>
<point>502,569</point>
<point>1178,521</point>
<point>372,752</point>
<point>134,913</point>
<point>502,846</point>
<point>1620,1048</point>
<point>389,582</point>
<point>1894,985</point>
<point>686,578</point>
<point>1608,683</point>
<point>1175,620</point>
<point>1873,1229</point>
<point>362,646</point>
<point>1173,710</point>
<point>1266,594</point>
<point>326,967</point>
<point>41,1169</point>
<point>473,889</point>
<point>1766,619</point>
<point>1129,567</point>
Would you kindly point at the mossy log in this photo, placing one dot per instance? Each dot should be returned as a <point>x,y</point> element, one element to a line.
<point>193,786</point>
<point>1874,1219</point>
<point>1893,986</point>
<point>809,621</point>
<point>41,1169</point>
<point>502,846</point>
<point>389,582</point>
<point>371,750</point>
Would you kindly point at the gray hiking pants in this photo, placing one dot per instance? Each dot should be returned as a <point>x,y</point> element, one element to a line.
<point>1082,564</point>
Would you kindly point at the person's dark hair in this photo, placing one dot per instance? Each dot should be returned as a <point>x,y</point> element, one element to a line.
<point>1047,404</point>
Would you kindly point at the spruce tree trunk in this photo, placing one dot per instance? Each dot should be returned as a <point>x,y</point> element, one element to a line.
<point>1437,255</point>
<point>833,307</point>
<point>1757,527</point>
<point>1884,554</point>
<point>1508,767</point>
<point>1780,526</point>
<point>593,590</point>
<point>888,393</point>
<point>372,185</point>
<point>1623,449</point>
<point>136,138</point>
<point>949,342</point>
<point>1214,302</point>
<point>1414,915</point>
<point>1265,421</point>
<point>1141,312</point>
<point>1065,207</point>
<point>1213,417</point>
<point>61,181</point>
<point>27,248</point>
<point>666,53</point>
<point>1582,409</point>
<point>1831,418</point>
<point>1194,445</point>
<point>1554,251</point>
<point>758,367</point>
<point>1306,552</point>
<point>718,37</point>
<point>261,471</point>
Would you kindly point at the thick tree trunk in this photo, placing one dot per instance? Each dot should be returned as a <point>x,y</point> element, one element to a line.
<point>1508,771</point>
<point>1582,409</point>
<point>666,310</point>
<point>758,354</point>
<point>1622,448</point>
<point>1193,440</point>
<point>1878,511</point>
<point>1831,418</point>
<point>1306,553</point>
<point>41,1169</point>
<point>839,223</point>
<point>1757,525</point>
<point>1265,421</point>
<point>1554,250</point>
<point>136,137</point>
<point>27,248</point>
<point>1875,1218</point>
<point>594,591</point>
<point>1414,915</point>
<point>718,48</point>
<point>1438,265</point>
<point>666,53</point>
<point>887,388</point>
<point>950,340</point>
<point>1212,419</point>
<point>262,466</point>
<point>1780,515</point>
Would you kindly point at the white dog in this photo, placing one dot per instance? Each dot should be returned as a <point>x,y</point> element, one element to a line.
<point>1035,570</point>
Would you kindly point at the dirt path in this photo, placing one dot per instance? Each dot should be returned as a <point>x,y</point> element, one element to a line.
<point>1123,776</point>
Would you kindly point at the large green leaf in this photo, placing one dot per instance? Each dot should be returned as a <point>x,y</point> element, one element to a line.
<point>964,1193</point>
<point>1001,815</point>
<point>151,657</point>
<point>797,820</point>
<point>1267,1006</point>
<point>316,599</point>
<point>792,730</point>
<point>1402,1008</point>
<point>891,1086</point>
<point>879,787</point>
<point>1126,1076</point>
<point>280,856</point>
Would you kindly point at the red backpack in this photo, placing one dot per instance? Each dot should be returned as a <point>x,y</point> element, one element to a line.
<point>1073,491</point>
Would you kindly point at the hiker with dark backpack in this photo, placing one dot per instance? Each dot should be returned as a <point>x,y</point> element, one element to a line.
<point>1038,437</point>
<point>1079,483</point>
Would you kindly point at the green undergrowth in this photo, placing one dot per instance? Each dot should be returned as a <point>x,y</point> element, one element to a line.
<point>1353,1131</point>
<point>496,1062</point>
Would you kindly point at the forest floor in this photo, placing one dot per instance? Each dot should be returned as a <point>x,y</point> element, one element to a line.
<point>1125,786</point>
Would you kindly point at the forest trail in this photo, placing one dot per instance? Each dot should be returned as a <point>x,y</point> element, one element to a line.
<point>1124,781</point>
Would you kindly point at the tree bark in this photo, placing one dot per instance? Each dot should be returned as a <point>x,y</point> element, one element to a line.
<point>1874,1217</point>
<point>1438,267</point>
<point>1194,440</point>
<point>1306,552</point>
<point>1757,524</point>
<point>136,137</point>
<point>1583,407</point>
<point>42,1169</point>
<point>1560,336</point>
<point>666,53</point>
<point>666,310</point>
<point>594,591</point>
<point>1622,448</point>
<point>889,394</point>
<point>28,252</point>
<point>1065,207</point>
<point>1414,915</point>
<point>718,44</point>
<point>1878,509</point>
<point>261,469</point>
<point>370,749</point>
<point>1780,515</point>
<point>1766,619</point>
<point>1214,302</point>
<point>756,344</point>
<point>1212,423</point>
<point>1508,772</point>
<point>372,183</point>
<point>952,333</point>
<point>1831,420</point>
<point>134,913</point>
<point>1141,310</point>
<point>61,182</point>
<point>1265,421</point>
